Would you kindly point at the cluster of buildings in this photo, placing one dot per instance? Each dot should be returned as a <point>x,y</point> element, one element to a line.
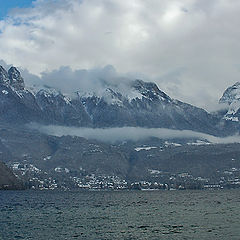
<point>62,178</point>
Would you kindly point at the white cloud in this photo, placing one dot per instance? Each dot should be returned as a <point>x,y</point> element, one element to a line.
<point>114,135</point>
<point>190,48</point>
<point>69,81</point>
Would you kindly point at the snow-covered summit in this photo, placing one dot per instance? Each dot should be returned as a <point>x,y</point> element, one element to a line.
<point>16,79</point>
<point>150,90</point>
<point>49,92</point>
<point>231,97</point>
<point>231,94</point>
<point>11,78</point>
<point>135,90</point>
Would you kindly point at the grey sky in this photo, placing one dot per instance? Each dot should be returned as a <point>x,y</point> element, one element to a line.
<point>191,48</point>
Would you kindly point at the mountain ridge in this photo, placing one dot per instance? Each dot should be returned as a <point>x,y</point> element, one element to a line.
<point>46,161</point>
<point>139,104</point>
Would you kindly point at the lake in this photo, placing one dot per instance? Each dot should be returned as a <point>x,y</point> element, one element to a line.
<point>51,215</point>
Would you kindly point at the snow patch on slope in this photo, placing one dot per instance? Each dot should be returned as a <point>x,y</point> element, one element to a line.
<point>143,148</point>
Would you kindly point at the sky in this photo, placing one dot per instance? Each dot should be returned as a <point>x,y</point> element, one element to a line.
<point>7,5</point>
<point>190,48</point>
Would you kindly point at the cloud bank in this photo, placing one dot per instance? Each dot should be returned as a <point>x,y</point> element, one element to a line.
<point>190,48</point>
<point>69,81</point>
<point>114,135</point>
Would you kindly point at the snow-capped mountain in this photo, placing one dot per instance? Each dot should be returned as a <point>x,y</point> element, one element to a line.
<point>11,78</point>
<point>136,103</point>
<point>139,104</point>
<point>19,105</point>
<point>231,98</point>
<point>145,105</point>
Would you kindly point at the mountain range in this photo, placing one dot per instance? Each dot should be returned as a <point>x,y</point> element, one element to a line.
<point>143,104</point>
<point>37,155</point>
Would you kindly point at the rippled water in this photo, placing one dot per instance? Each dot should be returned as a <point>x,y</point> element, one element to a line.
<point>120,215</point>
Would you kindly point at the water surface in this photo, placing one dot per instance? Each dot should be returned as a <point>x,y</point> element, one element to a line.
<point>120,215</point>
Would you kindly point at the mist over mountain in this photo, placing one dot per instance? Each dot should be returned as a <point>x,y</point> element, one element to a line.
<point>110,103</point>
<point>135,134</point>
<point>110,126</point>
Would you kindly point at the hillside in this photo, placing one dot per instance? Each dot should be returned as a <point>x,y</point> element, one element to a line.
<point>8,180</point>
<point>48,160</point>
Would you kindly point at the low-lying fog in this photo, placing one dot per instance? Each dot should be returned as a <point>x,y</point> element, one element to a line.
<point>112,135</point>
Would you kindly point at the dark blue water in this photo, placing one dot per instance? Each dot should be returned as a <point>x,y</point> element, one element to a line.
<point>120,215</point>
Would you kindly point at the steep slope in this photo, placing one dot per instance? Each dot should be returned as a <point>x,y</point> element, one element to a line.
<point>59,109</point>
<point>135,103</point>
<point>62,160</point>
<point>145,105</point>
<point>231,98</point>
<point>48,106</point>
<point>40,151</point>
<point>7,179</point>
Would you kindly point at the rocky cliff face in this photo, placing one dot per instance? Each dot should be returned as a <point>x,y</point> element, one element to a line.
<point>59,109</point>
<point>11,78</point>
<point>16,80</point>
<point>4,78</point>
<point>231,98</point>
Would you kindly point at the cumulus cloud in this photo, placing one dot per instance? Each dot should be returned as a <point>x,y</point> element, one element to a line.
<point>113,135</point>
<point>189,47</point>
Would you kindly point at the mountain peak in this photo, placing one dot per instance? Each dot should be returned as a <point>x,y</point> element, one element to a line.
<point>231,97</point>
<point>150,90</point>
<point>16,79</point>
<point>231,94</point>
